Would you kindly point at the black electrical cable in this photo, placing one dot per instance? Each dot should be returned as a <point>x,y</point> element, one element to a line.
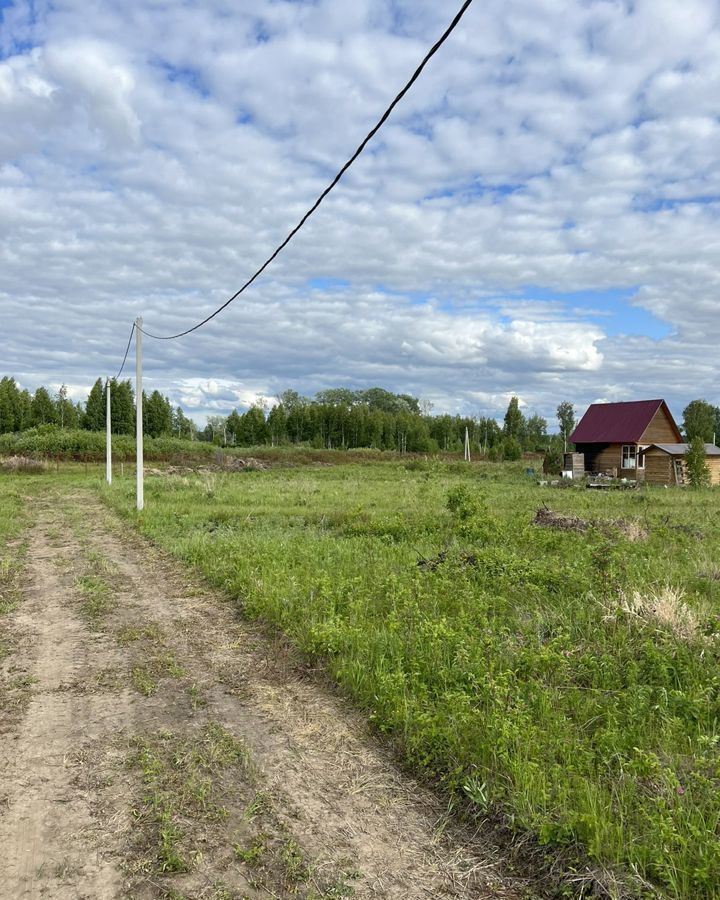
<point>127,350</point>
<point>433,50</point>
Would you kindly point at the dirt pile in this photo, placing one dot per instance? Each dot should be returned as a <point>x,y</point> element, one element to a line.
<point>548,518</point>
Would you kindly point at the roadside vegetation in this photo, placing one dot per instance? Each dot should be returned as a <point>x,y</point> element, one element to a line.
<point>558,671</point>
<point>15,681</point>
<point>13,521</point>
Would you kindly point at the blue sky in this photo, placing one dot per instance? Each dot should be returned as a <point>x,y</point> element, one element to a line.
<point>539,217</point>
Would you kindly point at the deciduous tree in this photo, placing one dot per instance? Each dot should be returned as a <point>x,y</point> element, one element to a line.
<point>514,423</point>
<point>699,420</point>
<point>566,420</point>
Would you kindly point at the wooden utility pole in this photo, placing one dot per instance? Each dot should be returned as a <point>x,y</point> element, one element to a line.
<point>139,414</point>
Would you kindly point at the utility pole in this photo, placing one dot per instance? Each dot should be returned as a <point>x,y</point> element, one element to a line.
<point>108,435</point>
<point>139,414</point>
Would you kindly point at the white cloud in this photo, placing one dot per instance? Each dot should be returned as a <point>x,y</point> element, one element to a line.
<point>152,155</point>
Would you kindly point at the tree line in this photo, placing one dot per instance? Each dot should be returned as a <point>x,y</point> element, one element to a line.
<point>20,410</point>
<point>342,418</point>
<point>334,418</point>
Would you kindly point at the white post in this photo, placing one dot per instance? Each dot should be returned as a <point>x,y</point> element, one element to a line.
<point>108,436</point>
<point>139,414</point>
<point>467,445</point>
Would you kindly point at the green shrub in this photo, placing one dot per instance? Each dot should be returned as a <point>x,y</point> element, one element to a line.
<point>698,470</point>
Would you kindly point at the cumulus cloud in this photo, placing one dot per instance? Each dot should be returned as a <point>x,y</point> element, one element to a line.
<point>554,157</point>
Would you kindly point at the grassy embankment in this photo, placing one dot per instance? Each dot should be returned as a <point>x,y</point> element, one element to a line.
<point>566,681</point>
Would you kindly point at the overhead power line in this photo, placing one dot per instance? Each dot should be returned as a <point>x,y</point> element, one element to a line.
<point>371,134</point>
<point>127,350</point>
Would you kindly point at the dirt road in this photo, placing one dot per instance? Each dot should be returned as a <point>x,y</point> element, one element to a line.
<point>154,745</point>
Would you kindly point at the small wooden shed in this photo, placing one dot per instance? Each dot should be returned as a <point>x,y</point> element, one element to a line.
<point>573,465</point>
<point>665,463</point>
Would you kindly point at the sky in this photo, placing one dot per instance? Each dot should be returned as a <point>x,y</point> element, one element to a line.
<point>539,217</point>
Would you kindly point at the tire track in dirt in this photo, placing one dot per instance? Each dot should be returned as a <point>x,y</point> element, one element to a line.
<point>47,829</point>
<point>340,814</point>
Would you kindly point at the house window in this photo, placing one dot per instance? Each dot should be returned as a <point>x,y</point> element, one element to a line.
<point>641,455</point>
<point>629,456</point>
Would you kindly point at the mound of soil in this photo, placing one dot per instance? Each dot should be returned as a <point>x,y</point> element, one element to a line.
<point>548,518</point>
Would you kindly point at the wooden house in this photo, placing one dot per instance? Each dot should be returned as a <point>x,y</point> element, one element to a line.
<point>613,436</point>
<point>665,463</point>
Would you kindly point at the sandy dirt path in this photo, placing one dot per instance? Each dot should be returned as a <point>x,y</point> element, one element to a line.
<point>169,749</point>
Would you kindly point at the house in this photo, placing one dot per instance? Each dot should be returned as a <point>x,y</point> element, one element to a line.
<point>665,463</point>
<point>612,436</point>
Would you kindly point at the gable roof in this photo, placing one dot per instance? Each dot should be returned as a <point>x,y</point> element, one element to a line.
<point>682,449</point>
<point>617,423</point>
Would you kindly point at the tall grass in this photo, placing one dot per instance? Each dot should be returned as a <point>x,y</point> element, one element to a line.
<point>524,667</point>
<point>13,520</point>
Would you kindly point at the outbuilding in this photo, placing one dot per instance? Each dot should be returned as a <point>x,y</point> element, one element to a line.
<point>665,463</point>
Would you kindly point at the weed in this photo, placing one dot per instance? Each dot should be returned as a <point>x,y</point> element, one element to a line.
<point>252,854</point>
<point>180,780</point>
<point>131,633</point>
<point>97,596</point>
<point>293,862</point>
<point>145,678</point>
<point>143,682</point>
<point>197,699</point>
<point>260,804</point>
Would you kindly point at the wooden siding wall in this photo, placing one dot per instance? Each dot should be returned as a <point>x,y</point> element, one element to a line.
<point>575,463</point>
<point>714,466</point>
<point>605,458</point>
<point>659,431</point>
<point>659,468</point>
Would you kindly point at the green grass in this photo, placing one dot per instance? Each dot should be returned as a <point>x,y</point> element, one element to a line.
<point>521,670</point>
<point>13,522</point>
<point>97,596</point>
<point>180,789</point>
<point>145,677</point>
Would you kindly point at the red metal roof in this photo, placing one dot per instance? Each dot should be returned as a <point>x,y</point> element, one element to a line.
<point>616,423</point>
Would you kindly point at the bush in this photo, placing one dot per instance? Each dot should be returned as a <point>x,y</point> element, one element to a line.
<point>512,450</point>
<point>56,443</point>
<point>552,463</point>
<point>495,453</point>
<point>698,471</point>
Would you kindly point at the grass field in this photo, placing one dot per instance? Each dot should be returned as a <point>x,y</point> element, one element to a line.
<point>564,681</point>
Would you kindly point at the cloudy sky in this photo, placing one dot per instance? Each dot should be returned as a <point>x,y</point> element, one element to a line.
<point>539,216</point>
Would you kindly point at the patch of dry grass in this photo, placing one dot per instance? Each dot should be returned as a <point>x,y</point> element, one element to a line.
<point>664,608</point>
<point>23,465</point>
